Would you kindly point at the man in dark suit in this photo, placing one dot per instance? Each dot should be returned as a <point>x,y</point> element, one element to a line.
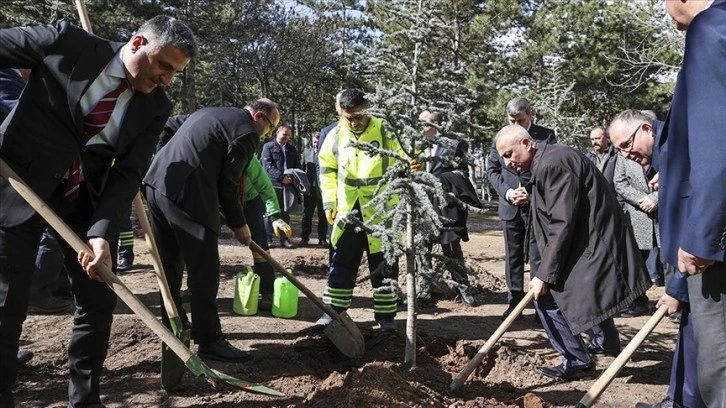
<point>603,154</point>
<point>591,265</point>
<point>277,156</point>
<point>314,200</point>
<point>683,389</point>
<point>446,159</point>
<point>692,201</point>
<point>513,190</point>
<point>192,178</point>
<point>92,110</point>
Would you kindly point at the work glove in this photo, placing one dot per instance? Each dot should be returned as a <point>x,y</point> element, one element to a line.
<point>414,165</point>
<point>330,215</point>
<point>280,226</point>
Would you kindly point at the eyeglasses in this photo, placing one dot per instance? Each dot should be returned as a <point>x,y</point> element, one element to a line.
<point>627,145</point>
<point>269,122</point>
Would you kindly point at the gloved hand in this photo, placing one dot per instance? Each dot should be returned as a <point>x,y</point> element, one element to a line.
<point>330,215</point>
<point>414,165</point>
<point>279,225</point>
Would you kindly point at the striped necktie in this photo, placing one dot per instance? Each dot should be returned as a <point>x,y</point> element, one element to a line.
<point>93,124</point>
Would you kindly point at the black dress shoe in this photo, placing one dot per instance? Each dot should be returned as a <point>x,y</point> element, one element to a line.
<point>221,350</point>
<point>24,356</point>
<point>595,349</point>
<point>323,242</point>
<point>303,243</point>
<point>666,403</point>
<point>573,373</point>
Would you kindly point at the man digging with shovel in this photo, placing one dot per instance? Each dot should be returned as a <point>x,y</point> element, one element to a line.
<point>590,264</point>
<point>81,135</point>
<point>191,178</point>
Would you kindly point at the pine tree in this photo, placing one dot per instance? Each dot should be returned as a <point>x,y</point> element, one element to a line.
<point>413,66</point>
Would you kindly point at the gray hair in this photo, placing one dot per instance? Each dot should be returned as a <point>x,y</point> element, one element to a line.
<point>514,131</point>
<point>632,117</point>
<point>518,105</point>
<point>164,30</point>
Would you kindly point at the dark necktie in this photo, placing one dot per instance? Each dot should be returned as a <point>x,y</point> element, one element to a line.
<point>93,124</point>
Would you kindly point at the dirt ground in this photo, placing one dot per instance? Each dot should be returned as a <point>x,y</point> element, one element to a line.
<point>311,372</point>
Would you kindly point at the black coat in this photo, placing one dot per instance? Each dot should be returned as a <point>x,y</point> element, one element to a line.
<point>44,134</point>
<point>199,169</point>
<point>589,254</point>
<point>502,178</point>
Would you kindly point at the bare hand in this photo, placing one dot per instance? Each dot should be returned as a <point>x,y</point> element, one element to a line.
<point>101,255</point>
<point>519,197</point>
<point>539,287</point>
<point>647,204</point>
<point>673,304</point>
<point>243,235</point>
<point>286,180</point>
<point>691,264</point>
<point>653,183</point>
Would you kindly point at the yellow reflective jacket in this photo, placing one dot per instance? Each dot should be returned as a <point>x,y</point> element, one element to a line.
<point>348,175</point>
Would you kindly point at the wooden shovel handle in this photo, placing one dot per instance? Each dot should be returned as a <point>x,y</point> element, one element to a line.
<point>83,14</point>
<point>169,304</point>
<point>609,374</point>
<point>111,280</point>
<point>319,303</point>
<point>486,348</point>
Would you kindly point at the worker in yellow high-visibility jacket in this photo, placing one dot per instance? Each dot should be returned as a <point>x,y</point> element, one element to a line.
<point>348,179</point>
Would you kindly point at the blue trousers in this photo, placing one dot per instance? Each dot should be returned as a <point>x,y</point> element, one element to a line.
<point>683,387</point>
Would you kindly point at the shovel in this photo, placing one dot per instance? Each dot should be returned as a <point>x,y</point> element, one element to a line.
<point>487,347</point>
<point>172,367</point>
<point>195,364</point>
<point>342,331</point>
<point>608,375</point>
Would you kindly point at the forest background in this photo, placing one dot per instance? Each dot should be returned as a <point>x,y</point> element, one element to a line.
<point>579,61</point>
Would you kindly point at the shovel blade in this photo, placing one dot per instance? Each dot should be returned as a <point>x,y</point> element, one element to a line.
<point>201,369</point>
<point>172,367</point>
<point>346,336</point>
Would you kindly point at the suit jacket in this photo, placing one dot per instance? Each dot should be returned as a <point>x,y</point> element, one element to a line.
<point>589,254</point>
<point>631,185</point>
<point>450,148</point>
<point>692,211</point>
<point>200,167</point>
<point>274,160</point>
<point>502,177</point>
<point>44,134</point>
<point>608,169</point>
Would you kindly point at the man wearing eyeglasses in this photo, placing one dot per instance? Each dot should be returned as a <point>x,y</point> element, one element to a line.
<point>193,178</point>
<point>637,136</point>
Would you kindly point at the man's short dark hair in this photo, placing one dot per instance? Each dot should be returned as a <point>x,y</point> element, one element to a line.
<point>436,118</point>
<point>164,30</point>
<point>353,98</point>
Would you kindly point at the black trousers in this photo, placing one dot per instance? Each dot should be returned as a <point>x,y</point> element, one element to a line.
<point>312,202</point>
<point>254,212</point>
<point>184,242</point>
<point>515,233</point>
<point>95,301</point>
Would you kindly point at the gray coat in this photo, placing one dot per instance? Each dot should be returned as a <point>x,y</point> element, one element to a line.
<point>589,255</point>
<point>632,185</point>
